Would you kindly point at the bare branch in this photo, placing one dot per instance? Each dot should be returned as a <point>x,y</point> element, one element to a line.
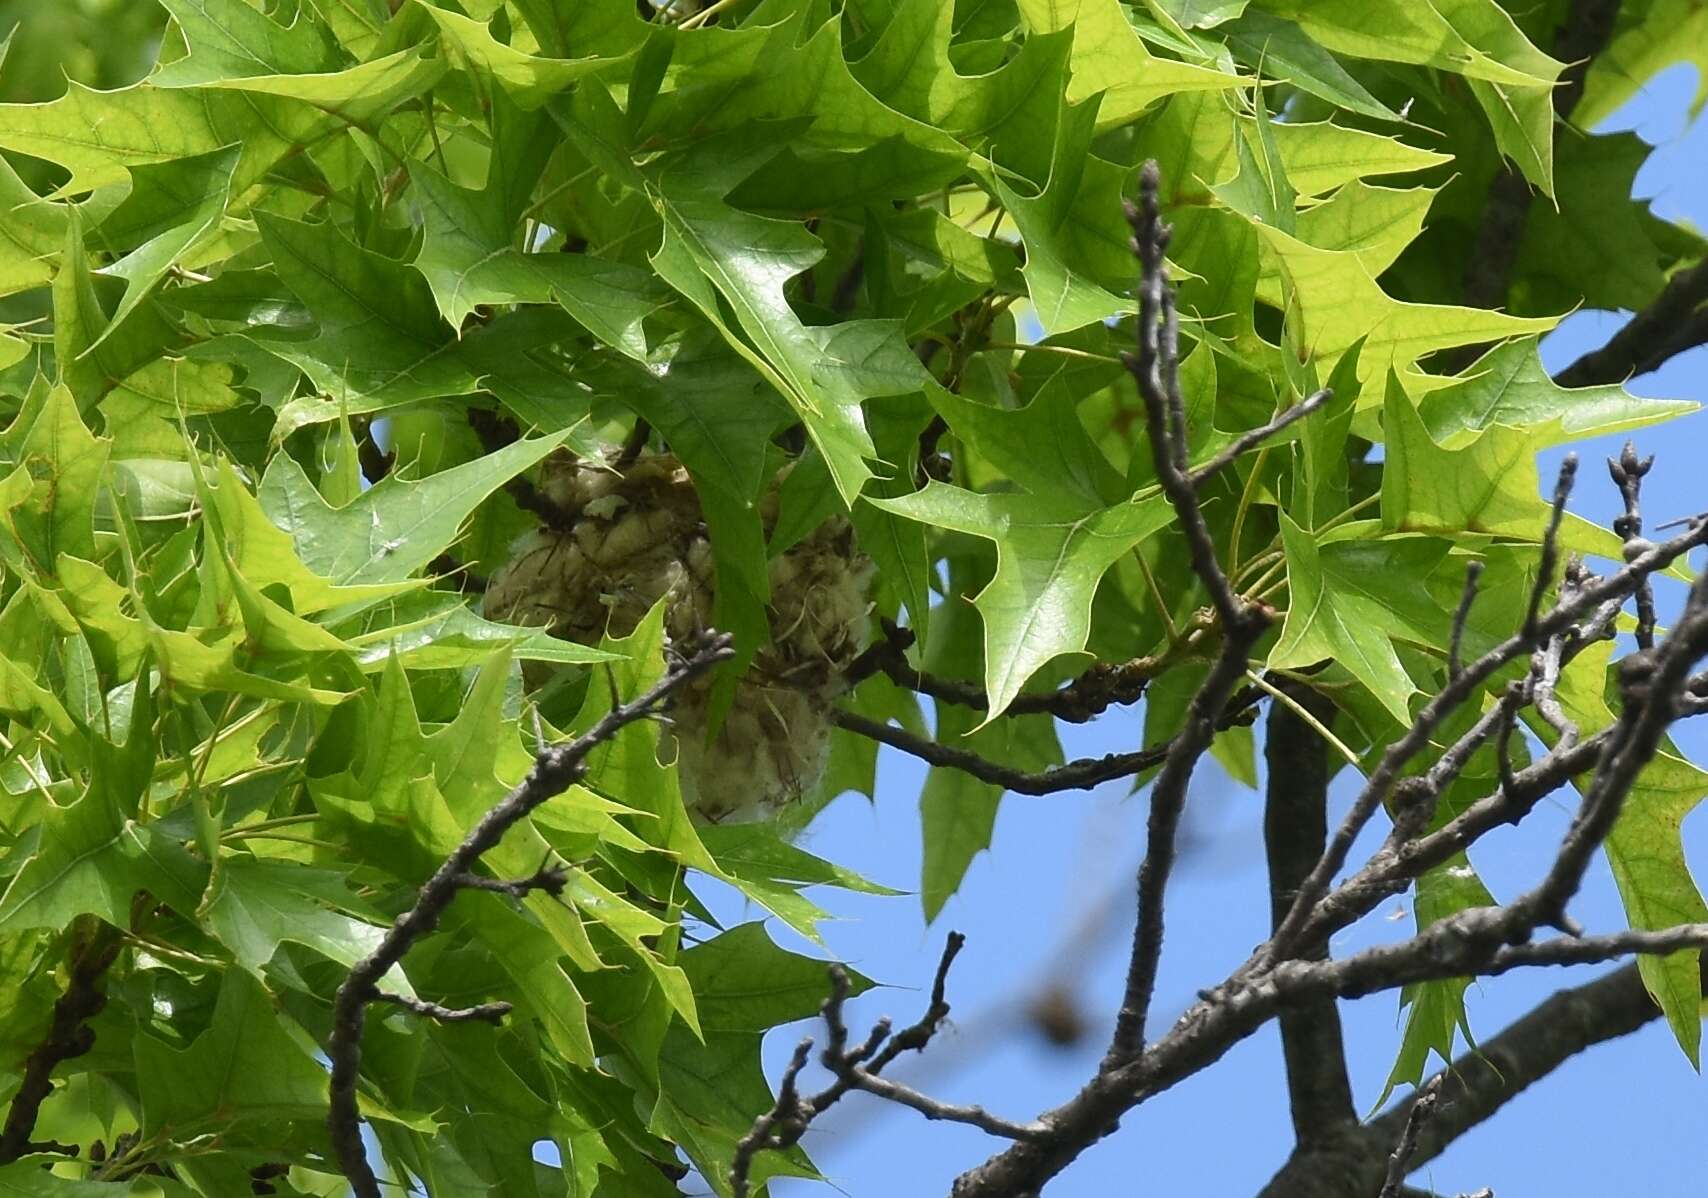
<point>1627,471</point>
<point>548,879</point>
<point>1399,1164</point>
<point>1476,1086</point>
<point>1582,602</point>
<point>1477,942</point>
<point>1550,543</point>
<point>1257,436</point>
<point>1455,646</point>
<point>1155,368</point>
<point>490,1012</point>
<point>859,1069</point>
<point>555,769</point>
<point>1099,688</point>
<point>1081,774</point>
<point>1652,680</point>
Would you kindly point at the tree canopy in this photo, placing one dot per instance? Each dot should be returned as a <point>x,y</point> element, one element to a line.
<point>472,470</point>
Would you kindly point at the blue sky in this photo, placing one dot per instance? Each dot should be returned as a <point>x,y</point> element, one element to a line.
<point>1030,911</point>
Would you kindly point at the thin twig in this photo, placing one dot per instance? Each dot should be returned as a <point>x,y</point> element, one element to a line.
<point>1399,1164</point>
<point>1099,688</point>
<point>1448,700</point>
<point>1550,542</point>
<point>1155,367</point>
<point>1321,729</point>
<point>1455,646</point>
<point>1650,680</point>
<point>1257,436</point>
<point>1627,471</point>
<point>1081,774</point>
<point>489,1012</point>
<point>859,1068</point>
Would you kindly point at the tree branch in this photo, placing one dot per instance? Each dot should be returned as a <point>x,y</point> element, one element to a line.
<point>1155,367</point>
<point>860,1068</point>
<point>1081,774</point>
<point>1295,816</point>
<point>94,946</point>
<point>1251,439</point>
<point>1627,471</point>
<point>1583,602</point>
<point>1099,688</point>
<point>1476,1085</point>
<point>495,432</point>
<point>1658,686</point>
<point>1399,1164</point>
<point>1649,337</point>
<point>555,769</point>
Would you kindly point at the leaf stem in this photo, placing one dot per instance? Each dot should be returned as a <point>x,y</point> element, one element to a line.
<point>1298,709</point>
<point>1065,351</point>
<point>1246,495</point>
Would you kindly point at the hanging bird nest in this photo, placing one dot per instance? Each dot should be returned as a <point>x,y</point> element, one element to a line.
<point>628,538</point>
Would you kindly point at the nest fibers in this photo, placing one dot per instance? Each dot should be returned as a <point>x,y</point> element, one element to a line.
<point>635,537</point>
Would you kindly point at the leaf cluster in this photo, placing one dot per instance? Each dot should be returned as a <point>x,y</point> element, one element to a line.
<point>263,308</point>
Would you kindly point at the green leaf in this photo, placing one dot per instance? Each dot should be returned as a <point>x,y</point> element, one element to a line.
<point>1375,223</point>
<point>712,252</point>
<point>33,231</point>
<point>175,206</point>
<point>380,340</point>
<point>794,70</point>
<point>1646,850</point>
<point>745,983</point>
<point>1008,114</point>
<point>265,553</point>
<point>467,261</point>
<point>1509,386</point>
<point>27,1179</point>
<point>1611,262</point>
<point>453,635</point>
<point>252,907</point>
<point>97,135</point>
<point>530,79</point>
<point>755,851</point>
<point>1474,38</point>
<point>1484,484</point>
<point>1350,600</point>
<point>66,464</point>
<point>1051,553</point>
<point>1109,57</point>
<point>232,40</point>
<point>1667,32</point>
<point>1284,51</point>
<point>1073,231</point>
<point>394,527</point>
<point>92,857</point>
<point>247,1066</point>
<point>1339,303</point>
<point>1201,14</point>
